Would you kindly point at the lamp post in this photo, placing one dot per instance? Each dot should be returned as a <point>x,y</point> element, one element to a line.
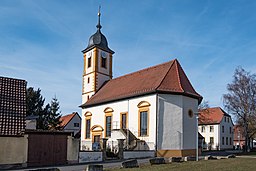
<point>196,113</point>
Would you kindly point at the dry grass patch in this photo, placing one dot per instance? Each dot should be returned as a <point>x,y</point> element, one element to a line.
<point>234,164</point>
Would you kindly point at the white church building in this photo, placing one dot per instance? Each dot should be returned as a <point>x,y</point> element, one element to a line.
<point>152,109</point>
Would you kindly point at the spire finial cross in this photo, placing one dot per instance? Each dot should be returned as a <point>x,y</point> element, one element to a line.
<point>98,25</point>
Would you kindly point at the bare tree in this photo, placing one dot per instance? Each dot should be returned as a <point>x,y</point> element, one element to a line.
<point>241,101</point>
<point>204,105</point>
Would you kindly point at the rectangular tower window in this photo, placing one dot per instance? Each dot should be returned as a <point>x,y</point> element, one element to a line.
<point>230,141</point>
<point>222,129</point>
<point>88,80</point>
<point>226,140</point>
<point>143,123</point>
<point>89,62</point>
<point>88,127</point>
<point>103,62</point>
<point>223,141</point>
<point>108,126</point>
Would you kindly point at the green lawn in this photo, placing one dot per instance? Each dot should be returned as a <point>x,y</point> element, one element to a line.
<point>234,164</point>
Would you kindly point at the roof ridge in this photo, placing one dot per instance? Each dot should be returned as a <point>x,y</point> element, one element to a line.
<point>155,66</point>
<point>166,74</point>
<point>19,79</point>
<point>177,70</point>
<point>186,77</point>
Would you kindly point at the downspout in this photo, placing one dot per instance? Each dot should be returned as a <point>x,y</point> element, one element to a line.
<point>156,123</point>
<point>127,130</point>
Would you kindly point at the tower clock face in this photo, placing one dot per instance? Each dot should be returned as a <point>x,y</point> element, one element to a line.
<point>103,54</point>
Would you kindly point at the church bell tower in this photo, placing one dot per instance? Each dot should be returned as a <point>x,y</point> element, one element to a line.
<point>97,63</point>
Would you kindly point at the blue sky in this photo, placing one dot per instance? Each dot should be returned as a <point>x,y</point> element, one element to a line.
<point>41,41</point>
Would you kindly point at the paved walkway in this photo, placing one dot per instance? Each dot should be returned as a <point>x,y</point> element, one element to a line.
<point>82,167</point>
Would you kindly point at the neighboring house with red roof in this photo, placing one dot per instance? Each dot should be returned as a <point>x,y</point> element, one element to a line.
<point>71,123</point>
<point>216,127</point>
<point>239,137</point>
<point>154,106</point>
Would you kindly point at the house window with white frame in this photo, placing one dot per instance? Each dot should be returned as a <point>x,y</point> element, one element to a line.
<point>211,140</point>
<point>211,128</point>
<point>76,124</point>
<point>203,129</point>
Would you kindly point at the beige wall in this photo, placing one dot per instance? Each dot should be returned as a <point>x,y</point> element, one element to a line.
<point>13,150</point>
<point>72,149</point>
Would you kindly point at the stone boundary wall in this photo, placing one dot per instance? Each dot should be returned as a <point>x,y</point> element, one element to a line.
<point>13,150</point>
<point>138,154</point>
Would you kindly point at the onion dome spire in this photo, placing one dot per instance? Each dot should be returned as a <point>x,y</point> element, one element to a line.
<point>98,39</point>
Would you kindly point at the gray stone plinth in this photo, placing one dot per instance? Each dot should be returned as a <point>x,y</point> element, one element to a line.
<point>175,159</point>
<point>157,160</point>
<point>130,164</point>
<point>190,158</point>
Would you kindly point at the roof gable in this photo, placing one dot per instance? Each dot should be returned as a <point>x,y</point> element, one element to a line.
<point>67,118</point>
<point>212,116</point>
<point>167,77</point>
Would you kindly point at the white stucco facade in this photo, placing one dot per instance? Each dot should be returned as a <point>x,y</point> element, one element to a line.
<point>221,134</point>
<point>169,125</point>
<point>124,106</point>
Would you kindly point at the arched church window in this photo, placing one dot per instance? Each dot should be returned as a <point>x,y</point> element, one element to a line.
<point>143,118</point>
<point>88,125</point>
<point>108,121</point>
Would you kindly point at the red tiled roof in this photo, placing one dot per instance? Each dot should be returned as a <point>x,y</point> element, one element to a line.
<point>12,106</point>
<point>211,116</point>
<point>65,119</point>
<point>168,77</point>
